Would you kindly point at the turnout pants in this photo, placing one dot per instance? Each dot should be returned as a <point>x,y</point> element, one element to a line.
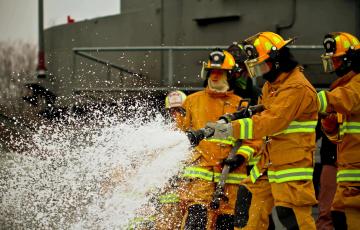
<point>196,196</point>
<point>347,201</point>
<point>293,202</point>
<point>261,204</point>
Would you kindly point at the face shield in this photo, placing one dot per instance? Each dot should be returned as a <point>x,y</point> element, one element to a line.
<point>240,76</point>
<point>328,64</point>
<point>331,63</point>
<point>204,71</point>
<point>256,68</point>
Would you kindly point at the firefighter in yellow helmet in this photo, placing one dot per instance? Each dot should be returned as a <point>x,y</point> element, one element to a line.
<point>254,201</point>
<point>205,167</point>
<point>169,214</point>
<point>341,108</point>
<point>288,124</point>
<point>174,106</point>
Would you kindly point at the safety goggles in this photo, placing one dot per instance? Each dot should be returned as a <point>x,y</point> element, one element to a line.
<point>256,68</point>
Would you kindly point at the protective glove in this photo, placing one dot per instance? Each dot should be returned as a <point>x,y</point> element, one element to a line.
<point>233,162</point>
<point>221,131</point>
<point>330,123</point>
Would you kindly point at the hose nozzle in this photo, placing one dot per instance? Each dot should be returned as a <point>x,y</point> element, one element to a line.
<point>195,136</point>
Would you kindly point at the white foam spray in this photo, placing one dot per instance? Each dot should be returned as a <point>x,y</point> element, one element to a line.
<point>63,181</point>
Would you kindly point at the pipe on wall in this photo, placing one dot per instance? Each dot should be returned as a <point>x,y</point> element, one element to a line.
<point>279,28</point>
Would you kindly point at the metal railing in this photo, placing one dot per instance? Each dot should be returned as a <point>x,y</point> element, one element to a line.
<point>84,52</point>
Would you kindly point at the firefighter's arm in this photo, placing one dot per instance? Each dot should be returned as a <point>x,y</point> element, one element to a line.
<point>286,106</point>
<point>249,148</point>
<point>343,99</point>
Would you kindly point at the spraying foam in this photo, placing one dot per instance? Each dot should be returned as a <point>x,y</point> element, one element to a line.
<point>61,183</point>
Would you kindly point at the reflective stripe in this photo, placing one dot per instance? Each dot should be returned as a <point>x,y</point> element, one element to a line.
<point>199,172</point>
<point>299,127</point>
<point>323,101</point>
<point>247,150</point>
<point>349,127</point>
<point>254,160</point>
<point>254,174</point>
<point>232,178</point>
<point>169,198</point>
<point>137,222</point>
<point>221,141</point>
<point>246,128</point>
<point>290,175</point>
<point>348,175</point>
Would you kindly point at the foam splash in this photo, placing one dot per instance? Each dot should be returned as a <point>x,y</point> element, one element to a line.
<point>62,182</point>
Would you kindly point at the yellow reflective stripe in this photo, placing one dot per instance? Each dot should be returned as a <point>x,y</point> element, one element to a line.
<point>346,44</point>
<point>169,198</point>
<point>299,127</point>
<point>349,127</point>
<point>268,46</point>
<point>138,221</point>
<point>221,141</point>
<point>355,41</point>
<point>232,178</point>
<point>290,175</point>
<point>348,175</point>
<point>322,101</point>
<point>254,174</point>
<point>246,128</point>
<point>254,160</point>
<point>198,172</point>
<point>247,150</point>
<point>276,39</point>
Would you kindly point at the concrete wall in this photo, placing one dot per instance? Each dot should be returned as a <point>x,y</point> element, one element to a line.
<point>189,23</point>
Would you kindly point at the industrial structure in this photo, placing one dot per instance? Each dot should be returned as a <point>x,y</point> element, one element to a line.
<point>159,45</point>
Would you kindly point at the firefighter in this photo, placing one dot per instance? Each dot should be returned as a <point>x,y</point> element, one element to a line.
<point>288,124</point>
<point>170,214</point>
<point>174,107</point>
<point>341,106</point>
<point>254,201</point>
<point>206,163</point>
<point>240,81</point>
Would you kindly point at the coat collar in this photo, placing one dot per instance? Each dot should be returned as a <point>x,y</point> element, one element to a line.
<point>343,80</point>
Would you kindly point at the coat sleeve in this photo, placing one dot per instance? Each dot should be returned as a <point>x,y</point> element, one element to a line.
<point>285,108</point>
<point>249,148</point>
<point>186,122</point>
<point>344,99</point>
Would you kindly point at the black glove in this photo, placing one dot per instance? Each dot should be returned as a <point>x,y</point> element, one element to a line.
<point>234,162</point>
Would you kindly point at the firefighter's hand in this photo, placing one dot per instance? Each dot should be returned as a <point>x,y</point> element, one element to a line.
<point>234,162</point>
<point>330,123</point>
<point>221,131</point>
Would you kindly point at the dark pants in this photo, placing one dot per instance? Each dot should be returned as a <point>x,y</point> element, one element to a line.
<point>326,196</point>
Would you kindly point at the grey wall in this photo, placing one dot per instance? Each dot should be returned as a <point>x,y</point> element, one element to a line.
<point>176,22</point>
